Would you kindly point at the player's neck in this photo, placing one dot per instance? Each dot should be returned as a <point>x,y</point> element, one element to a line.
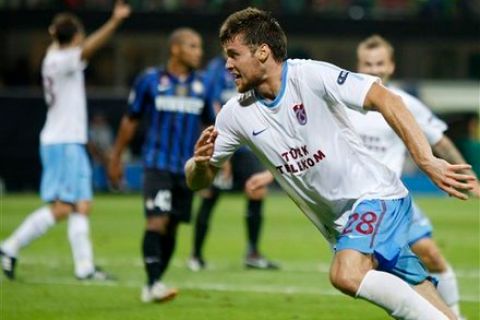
<point>178,69</point>
<point>271,86</point>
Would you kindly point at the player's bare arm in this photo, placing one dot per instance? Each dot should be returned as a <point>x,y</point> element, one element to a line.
<point>128,126</point>
<point>446,176</point>
<point>198,170</point>
<point>446,150</point>
<point>97,39</point>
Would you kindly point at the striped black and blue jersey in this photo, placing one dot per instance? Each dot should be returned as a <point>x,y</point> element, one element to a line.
<point>175,110</point>
<point>220,84</point>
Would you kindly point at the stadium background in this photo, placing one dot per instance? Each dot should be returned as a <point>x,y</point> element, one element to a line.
<point>437,52</point>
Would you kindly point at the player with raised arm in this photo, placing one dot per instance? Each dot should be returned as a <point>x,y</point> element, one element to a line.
<point>375,56</point>
<point>306,140</point>
<point>66,177</point>
<point>174,101</point>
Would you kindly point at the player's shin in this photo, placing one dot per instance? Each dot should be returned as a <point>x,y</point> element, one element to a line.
<point>395,296</point>
<point>79,237</point>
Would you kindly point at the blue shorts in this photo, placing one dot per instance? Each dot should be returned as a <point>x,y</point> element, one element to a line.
<point>67,175</point>
<point>380,228</point>
<point>420,228</point>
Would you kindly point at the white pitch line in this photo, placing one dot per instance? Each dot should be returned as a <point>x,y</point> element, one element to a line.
<point>217,286</point>
<point>469,273</point>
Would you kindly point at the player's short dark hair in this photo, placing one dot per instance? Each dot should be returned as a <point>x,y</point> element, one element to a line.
<point>376,41</point>
<point>257,27</point>
<point>64,27</point>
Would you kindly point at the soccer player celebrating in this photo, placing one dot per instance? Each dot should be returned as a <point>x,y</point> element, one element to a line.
<point>291,114</point>
<point>66,178</point>
<point>375,56</point>
<point>173,99</point>
<point>244,165</point>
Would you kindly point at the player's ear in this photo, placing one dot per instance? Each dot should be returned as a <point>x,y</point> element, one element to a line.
<point>263,52</point>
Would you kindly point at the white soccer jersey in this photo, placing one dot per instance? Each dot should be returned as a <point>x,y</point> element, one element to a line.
<point>305,139</point>
<point>64,91</point>
<point>383,142</point>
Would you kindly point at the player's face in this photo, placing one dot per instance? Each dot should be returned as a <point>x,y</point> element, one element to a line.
<point>190,51</point>
<point>243,64</point>
<point>377,62</point>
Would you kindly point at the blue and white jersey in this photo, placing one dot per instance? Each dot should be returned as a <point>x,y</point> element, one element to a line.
<point>304,137</point>
<point>383,142</point>
<point>175,109</point>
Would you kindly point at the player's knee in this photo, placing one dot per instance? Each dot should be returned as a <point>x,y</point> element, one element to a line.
<point>83,207</point>
<point>345,282</point>
<point>434,261</point>
<point>157,223</point>
<point>430,255</point>
<point>257,194</point>
<point>61,210</point>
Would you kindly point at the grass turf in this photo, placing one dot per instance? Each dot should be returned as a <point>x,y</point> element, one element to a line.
<point>46,289</point>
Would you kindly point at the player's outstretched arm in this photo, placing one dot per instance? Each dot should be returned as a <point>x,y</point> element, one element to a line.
<point>98,38</point>
<point>448,177</point>
<point>128,126</point>
<point>198,170</point>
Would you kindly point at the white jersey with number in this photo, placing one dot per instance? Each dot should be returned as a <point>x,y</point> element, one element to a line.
<point>383,142</point>
<point>64,91</point>
<point>305,139</point>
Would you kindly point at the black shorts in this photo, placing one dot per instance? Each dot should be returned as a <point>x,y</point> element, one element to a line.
<point>244,165</point>
<point>165,193</point>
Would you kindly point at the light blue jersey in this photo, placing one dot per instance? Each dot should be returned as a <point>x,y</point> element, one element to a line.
<point>67,175</point>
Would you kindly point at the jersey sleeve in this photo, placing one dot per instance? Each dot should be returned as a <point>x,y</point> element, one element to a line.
<point>432,127</point>
<point>138,98</point>
<point>339,85</point>
<point>70,61</point>
<point>228,139</point>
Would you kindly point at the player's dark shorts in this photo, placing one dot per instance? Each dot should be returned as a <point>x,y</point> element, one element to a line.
<point>165,193</point>
<point>244,165</point>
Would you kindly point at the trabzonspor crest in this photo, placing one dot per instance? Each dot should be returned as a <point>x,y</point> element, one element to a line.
<point>301,114</point>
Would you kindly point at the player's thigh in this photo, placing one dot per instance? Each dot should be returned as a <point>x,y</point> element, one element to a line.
<point>67,174</point>
<point>380,228</point>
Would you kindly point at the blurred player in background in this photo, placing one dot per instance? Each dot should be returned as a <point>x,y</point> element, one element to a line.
<point>66,179</point>
<point>375,56</point>
<point>291,114</point>
<point>244,165</point>
<point>173,99</point>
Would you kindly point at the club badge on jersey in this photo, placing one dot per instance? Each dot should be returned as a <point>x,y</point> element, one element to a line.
<point>301,114</point>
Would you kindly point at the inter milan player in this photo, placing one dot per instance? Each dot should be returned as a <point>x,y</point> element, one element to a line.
<point>173,100</point>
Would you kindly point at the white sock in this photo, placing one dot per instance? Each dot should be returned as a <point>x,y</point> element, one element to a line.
<point>395,296</point>
<point>34,225</point>
<point>79,236</point>
<point>448,289</point>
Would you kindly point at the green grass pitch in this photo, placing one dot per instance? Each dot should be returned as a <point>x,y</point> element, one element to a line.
<point>46,289</point>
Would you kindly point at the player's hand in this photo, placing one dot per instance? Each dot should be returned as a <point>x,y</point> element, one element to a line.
<point>475,191</point>
<point>115,171</point>
<point>203,150</point>
<point>449,177</point>
<point>121,10</point>
<point>256,185</point>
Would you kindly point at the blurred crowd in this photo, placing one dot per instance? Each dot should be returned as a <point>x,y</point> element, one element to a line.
<point>355,9</point>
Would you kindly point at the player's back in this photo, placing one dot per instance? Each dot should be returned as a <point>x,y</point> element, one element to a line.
<point>64,91</point>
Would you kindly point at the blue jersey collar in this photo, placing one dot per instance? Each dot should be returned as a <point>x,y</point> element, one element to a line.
<point>274,103</point>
